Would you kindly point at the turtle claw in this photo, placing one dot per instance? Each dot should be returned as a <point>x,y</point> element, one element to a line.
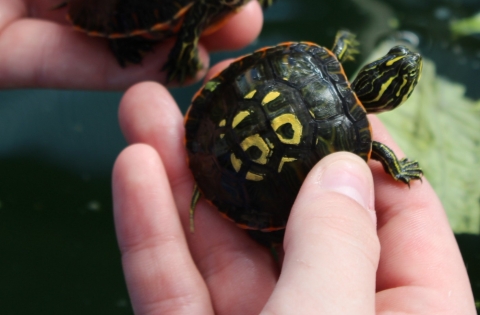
<point>345,46</point>
<point>409,170</point>
<point>403,170</point>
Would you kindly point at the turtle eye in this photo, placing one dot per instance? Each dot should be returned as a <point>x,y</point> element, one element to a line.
<point>413,73</point>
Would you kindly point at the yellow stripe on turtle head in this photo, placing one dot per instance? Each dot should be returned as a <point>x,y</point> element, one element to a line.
<point>391,62</point>
<point>383,88</point>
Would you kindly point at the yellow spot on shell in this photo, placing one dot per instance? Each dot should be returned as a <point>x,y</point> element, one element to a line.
<point>236,163</point>
<point>222,123</point>
<point>283,161</point>
<point>239,117</point>
<point>270,97</point>
<point>296,126</point>
<point>257,141</point>
<point>250,94</point>
<point>254,177</point>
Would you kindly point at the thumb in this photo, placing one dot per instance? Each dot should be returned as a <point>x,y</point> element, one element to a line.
<point>331,246</point>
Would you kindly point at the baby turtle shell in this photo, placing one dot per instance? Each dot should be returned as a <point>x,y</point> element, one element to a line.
<point>256,129</point>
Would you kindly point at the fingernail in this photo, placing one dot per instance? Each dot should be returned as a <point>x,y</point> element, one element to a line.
<point>347,177</point>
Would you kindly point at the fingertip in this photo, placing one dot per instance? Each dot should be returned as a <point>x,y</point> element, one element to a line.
<point>143,108</point>
<point>134,155</point>
<point>239,31</point>
<point>338,192</point>
<point>140,92</point>
<point>343,173</point>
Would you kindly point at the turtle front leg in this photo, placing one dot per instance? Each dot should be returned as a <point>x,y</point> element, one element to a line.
<point>403,170</point>
<point>183,61</point>
<point>345,46</point>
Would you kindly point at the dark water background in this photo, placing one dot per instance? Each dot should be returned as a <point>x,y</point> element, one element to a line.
<point>58,253</point>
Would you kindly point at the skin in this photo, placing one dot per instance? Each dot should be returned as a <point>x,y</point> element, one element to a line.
<point>38,48</point>
<point>345,251</point>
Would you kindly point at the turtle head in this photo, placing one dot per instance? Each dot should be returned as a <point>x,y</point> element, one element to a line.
<point>388,82</point>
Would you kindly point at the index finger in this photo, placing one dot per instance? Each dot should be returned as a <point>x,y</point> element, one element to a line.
<point>418,245</point>
<point>236,270</point>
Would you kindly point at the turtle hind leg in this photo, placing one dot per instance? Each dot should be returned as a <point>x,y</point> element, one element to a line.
<point>183,60</point>
<point>403,170</point>
<point>130,49</point>
<point>345,46</point>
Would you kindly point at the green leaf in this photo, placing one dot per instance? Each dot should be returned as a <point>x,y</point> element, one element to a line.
<point>467,26</point>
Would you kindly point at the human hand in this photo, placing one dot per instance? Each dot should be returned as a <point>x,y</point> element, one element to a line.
<point>40,49</point>
<point>341,256</point>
